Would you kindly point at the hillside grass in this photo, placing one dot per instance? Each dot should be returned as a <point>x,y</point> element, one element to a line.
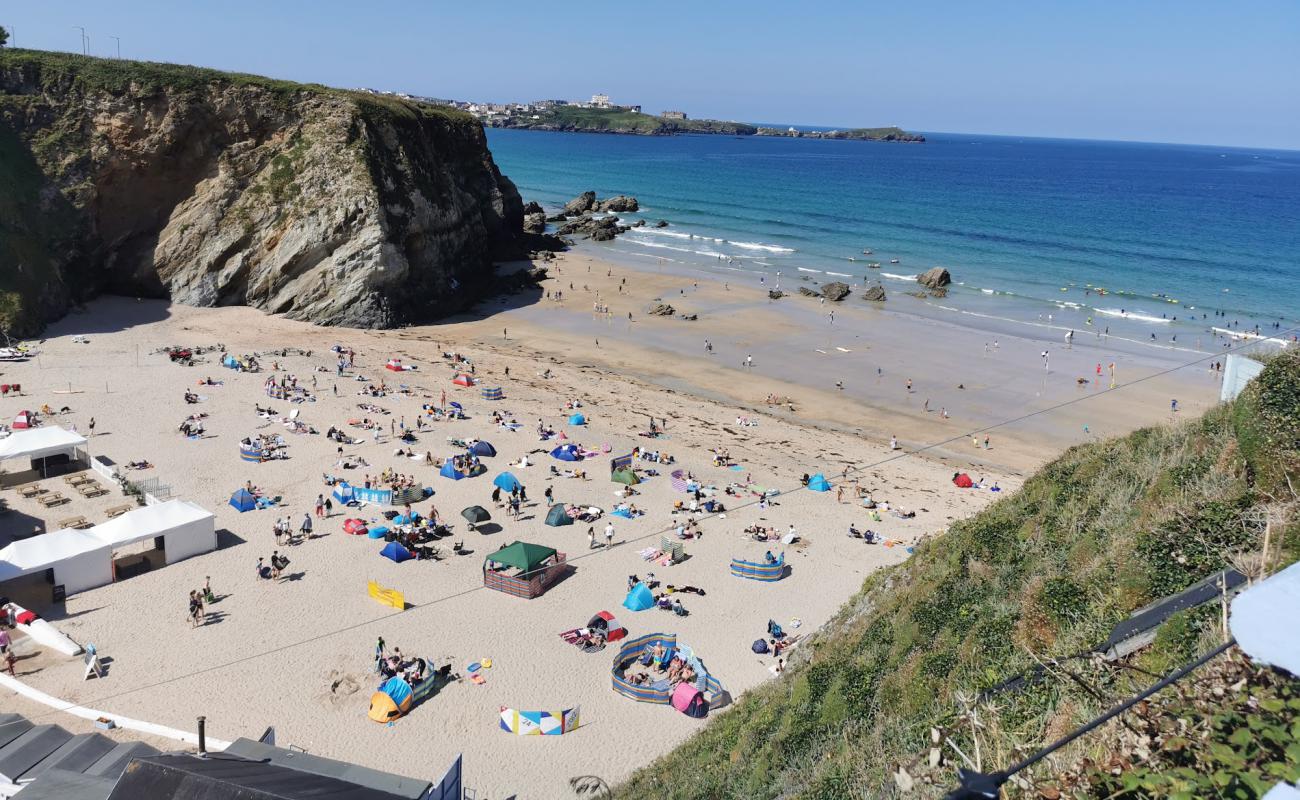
<point>1038,577</point>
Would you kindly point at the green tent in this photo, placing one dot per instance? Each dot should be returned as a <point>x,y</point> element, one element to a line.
<point>624,476</point>
<point>522,556</point>
<point>558,516</point>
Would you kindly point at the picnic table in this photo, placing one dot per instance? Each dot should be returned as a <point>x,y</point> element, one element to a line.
<point>92,489</point>
<point>117,511</point>
<point>74,522</point>
<point>31,491</point>
<point>52,499</point>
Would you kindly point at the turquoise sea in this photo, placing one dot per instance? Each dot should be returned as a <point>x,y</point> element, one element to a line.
<point>1181,238</point>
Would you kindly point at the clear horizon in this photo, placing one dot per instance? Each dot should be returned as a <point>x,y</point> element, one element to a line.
<point>1210,75</point>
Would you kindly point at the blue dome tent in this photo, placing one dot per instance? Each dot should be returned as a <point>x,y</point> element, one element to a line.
<point>506,482</point>
<point>483,449</point>
<point>577,419</point>
<point>566,452</point>
<point>449,471</point>
<point>818,483</point>
<point>639,599</point>
<point>395,552</point>
<point>243,501</point>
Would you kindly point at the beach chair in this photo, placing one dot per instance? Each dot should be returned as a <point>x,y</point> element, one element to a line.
<point>117,511</point>
<point>53,499</point>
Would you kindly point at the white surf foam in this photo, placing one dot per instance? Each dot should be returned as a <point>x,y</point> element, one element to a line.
<point>1133,315</point>
<point>770,248</point>
<point>805,269</point>
<point>898,277</point>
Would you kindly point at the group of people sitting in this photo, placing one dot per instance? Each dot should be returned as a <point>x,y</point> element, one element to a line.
<point>190,397</point>
<point>675,668</point>
<point>192,426</point>
<point>869,536</point>
<point>337,434</point>
<point>653,456</point>
<point>390,479</point>
<point>392,665</point>
<point>568,473</point>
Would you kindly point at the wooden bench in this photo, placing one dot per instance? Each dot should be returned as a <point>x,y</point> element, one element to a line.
<point>53,499</point>
<point>117,511</point>
<point>74,522</point>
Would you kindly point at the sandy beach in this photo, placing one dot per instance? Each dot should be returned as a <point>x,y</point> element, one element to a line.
<point>297,653</point>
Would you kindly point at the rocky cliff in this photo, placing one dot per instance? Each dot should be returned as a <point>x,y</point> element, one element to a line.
<point>218,189</point>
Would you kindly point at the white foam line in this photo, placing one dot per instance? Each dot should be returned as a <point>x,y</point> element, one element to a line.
<point>844,349</point>
<point>188,737</point>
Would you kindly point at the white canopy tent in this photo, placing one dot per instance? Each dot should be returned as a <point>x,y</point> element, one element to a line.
<point>187,529</point>
<point>79,561</point>
<point>82,560</point>
<point>41,443</point>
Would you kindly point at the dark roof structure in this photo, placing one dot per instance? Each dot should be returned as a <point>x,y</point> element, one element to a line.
<point>305,762</point>
<point>48,761</point>
<point>222,777</point>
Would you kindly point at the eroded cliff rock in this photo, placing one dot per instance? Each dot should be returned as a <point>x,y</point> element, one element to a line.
<point>216,189</point>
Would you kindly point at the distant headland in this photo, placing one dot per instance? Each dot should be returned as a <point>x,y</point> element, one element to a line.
<point>599,115</point>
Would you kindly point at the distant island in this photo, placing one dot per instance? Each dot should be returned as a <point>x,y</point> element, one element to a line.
<point>574,118</point>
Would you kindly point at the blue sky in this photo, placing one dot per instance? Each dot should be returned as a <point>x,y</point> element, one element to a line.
<point>1192,71</point>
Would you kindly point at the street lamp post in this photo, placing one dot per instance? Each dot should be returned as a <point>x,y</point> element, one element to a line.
<point>83,38</point>
<point>118,41</point>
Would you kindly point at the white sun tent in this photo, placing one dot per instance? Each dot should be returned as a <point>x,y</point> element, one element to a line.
<point>37,443</point>
<point>82,560</point>
<point>186,529</point>
<point>79,561</point>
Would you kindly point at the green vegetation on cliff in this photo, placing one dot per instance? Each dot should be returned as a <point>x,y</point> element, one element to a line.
<point>1036,579</point>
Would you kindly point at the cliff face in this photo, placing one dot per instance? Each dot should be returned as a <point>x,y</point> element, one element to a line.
<point>218,189</point>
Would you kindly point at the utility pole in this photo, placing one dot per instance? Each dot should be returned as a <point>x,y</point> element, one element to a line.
<point>83,38</point>
<point>118,41</point>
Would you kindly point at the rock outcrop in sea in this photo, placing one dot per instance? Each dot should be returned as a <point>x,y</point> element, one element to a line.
<point>875,294</point>
<point>835,290</point>
<point>156,180</point>
<point>935,278</point>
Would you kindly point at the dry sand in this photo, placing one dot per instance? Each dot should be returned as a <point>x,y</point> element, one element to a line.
<point>271,651</point>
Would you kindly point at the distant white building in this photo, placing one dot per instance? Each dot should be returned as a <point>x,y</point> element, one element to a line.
<point>600,101</point>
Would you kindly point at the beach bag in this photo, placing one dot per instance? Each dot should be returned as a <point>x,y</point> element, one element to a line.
<point>759,646</point>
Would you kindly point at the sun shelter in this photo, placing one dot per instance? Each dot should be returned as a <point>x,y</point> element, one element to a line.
<point>493,393</point>
<point>343,493</point>
<point>449,471</point>
<point>507,482</point>
<point>558,515</point>
<point>22,420</point>
<point>394,552</point>
<point>818,483</point>
<point>661,691</point>
<point>639,599</point>
<point>475,515</point>
<point>566,452</point>
<point>536,568</point>
<point>42,446</point>
<point>481,448</point>
<point>396,697</point>
<point>759,571</point>
<point>354,527</point>
<point>605,623</point>
<point>83,559</point>
<point>243,500</point>
<point>577,419</point>
<point>252,453</point>
<point>627,477</point>
<point>463,379</point>
<point>672,548</point>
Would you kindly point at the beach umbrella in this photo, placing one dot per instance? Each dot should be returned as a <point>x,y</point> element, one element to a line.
<point>456,405</point>
<point>476,514</point>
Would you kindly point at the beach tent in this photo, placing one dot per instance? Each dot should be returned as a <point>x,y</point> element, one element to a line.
<point>492,394</point>
<point>566,452</point>
<point>962,481</point>
<point>354,527</point>
<point>395,552</point>
<point>483,449</point>
<point>343,492</point>
<point>606,624</point>
<point>391,701</point>
<point>506,482</point>
<point>558,516</point>
<point>463,380</point>
<point>639,599</point>
<point>449,471</point>
<point>242,500</point>
<point>475,514</point>
<point>818,483</point>
<point>523,556</point>
<point>537,568</point>
<point>624,476</point>
<point>23,420</point>
<point>690,701</point>
<point>577,419</point>
<point>35,444</point>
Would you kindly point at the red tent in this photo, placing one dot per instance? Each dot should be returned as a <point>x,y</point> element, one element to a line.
<point>23,420</point>
<point>463,380</point>
<point>606,624</point>
<point>356,527</point>
<point>962,481</point>
<point>395,364</point>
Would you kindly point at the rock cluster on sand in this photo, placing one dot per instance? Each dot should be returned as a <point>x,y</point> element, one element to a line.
<point>935,278</point>
<point>835,290</point>
<point>576,216</point>
<point>875,294</point>
<point>806,292</point>
<point>661,310</point>
<point>775,294</point>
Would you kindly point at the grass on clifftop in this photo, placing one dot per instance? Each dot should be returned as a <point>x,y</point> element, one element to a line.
<point>117,76</point>
<point>1036,578</point>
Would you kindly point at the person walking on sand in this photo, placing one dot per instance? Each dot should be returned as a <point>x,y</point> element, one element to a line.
<point>591,537</point>
<point>329,508</point>
<point>92,426</point>
<point>893,443</point>
<point>909,385</point>
<point>749,362</point>
<point>305,529</point>
<point>320,505</point>
<point>609,534</point>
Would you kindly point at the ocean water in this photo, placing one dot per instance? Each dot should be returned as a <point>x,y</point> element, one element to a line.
<point>1031,229</point>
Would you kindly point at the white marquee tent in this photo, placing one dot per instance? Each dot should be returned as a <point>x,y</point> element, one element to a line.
<point>38,443</point>
<point>82,560</point>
